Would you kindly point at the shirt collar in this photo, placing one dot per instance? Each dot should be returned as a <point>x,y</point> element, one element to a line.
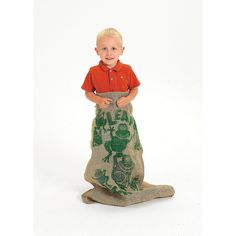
<point>117,67</point>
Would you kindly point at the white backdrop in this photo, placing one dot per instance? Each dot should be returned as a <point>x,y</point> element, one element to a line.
<point>163,46</point>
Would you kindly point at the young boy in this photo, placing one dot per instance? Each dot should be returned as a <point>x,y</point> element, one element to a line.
<point>110,75</point>
<point>116,168</point>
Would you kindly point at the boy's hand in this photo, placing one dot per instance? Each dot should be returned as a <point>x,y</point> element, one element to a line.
<point>123,101</point>
<point>104,102</point>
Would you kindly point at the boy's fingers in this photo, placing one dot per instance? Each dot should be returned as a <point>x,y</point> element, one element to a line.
<point>108,101</point>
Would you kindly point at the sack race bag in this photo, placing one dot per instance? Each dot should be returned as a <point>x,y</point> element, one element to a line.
<point>116,168</point>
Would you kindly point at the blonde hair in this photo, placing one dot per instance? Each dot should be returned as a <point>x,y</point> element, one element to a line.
<point>110,32</point>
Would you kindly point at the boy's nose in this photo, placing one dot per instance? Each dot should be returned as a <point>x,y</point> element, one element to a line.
<point>109,52</point>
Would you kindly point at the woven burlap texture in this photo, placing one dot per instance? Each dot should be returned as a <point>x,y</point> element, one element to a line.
<point>116,168</point>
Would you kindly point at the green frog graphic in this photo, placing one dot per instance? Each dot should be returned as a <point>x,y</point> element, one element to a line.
<point>122,163</point>
<point>118,142</point>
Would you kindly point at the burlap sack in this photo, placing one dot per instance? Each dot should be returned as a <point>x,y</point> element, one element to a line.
<point>116,168</point>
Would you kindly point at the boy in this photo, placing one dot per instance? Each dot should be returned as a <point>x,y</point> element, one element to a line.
<point>116,168</point>
<point>110,75</point>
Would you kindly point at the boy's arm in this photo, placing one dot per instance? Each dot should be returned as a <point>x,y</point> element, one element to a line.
<point>123,101</point>
<point>102,102</point>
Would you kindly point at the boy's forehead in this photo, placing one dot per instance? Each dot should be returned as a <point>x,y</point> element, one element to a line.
<point>109,40</point>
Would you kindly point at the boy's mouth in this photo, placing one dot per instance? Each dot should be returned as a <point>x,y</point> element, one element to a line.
<point>109,59</point>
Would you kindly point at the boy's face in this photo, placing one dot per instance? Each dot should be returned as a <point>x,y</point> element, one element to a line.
<point>109,49</point>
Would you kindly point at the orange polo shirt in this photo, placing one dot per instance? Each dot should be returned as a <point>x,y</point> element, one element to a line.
<point>101,79</point>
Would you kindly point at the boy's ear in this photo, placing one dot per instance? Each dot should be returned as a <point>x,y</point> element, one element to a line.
<point>96,50</point>
<point>123,48</point>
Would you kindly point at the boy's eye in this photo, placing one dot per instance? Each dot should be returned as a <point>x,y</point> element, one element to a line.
<point>114,48</point>
<point>104,49</point>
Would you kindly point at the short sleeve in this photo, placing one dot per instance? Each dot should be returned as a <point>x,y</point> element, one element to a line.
<point>88,83</point>
<point>133,82</point>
